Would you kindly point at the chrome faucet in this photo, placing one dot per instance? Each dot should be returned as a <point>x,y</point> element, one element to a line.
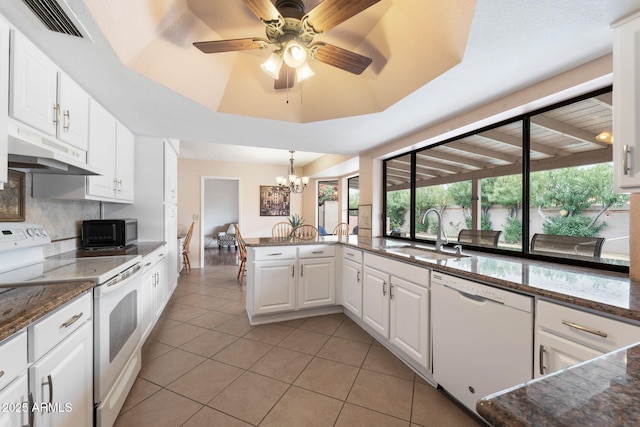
<point>440,232</point>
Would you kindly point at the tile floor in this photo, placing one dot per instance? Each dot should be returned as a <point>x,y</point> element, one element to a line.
<point>205,365</point>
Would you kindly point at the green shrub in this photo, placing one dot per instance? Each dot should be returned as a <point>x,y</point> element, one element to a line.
<point>574,225</point>
<point>513,231</point>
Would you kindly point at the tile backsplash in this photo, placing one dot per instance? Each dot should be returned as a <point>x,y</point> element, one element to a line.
<point>62,218</point>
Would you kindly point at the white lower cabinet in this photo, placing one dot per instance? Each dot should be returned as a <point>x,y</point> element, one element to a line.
<point>14,399</point>
<point>566,336</point>
<point>375,300</point>
<point>409,319</point>
<point>352,281</point>
<point>274,286</point>
<point>317,282</point>
<point>290,278</point>
<point>396,308</point>
<point>14,388</point>
<point>62,382</point>
<point>155,291</point>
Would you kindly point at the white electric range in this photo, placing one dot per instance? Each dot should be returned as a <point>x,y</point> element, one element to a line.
<point>116,305</point>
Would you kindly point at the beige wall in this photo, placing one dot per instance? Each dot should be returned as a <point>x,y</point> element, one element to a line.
<point>251,176</point>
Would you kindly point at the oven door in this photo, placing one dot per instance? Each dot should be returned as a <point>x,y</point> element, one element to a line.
<point>117,328</point>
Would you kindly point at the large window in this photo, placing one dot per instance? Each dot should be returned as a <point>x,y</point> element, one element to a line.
<point>539,185</point>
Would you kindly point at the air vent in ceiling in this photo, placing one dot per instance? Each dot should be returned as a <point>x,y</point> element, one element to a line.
<point>53,16</point>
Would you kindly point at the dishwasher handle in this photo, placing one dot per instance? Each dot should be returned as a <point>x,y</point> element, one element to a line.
<point>468,295</point>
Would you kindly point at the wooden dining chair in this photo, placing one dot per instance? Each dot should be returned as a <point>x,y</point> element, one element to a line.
<point>281,229</point>
<point>242,253</point>
<point>306,232</point>
<point>185,249</point>
<point>341,230</point>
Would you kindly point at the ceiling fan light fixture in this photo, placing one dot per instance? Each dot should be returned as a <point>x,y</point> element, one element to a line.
<point>303,72</point>
<point>272,65</point>
<point>295,54</point>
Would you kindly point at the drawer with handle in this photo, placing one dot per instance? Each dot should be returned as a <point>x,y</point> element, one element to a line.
<point>352,254</point>
<point>269,253</point>
<point>13,357</point>
<point>316,251</point>
<point>590,329</point>
<point>55,327</point>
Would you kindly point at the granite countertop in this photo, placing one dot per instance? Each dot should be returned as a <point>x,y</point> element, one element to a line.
<point>602,392</point>
<point>24,304</point>
<point>141,248</point>
<point>289,241</point>
<point>603,291</point>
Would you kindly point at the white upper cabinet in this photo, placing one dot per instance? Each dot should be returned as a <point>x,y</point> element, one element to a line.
<point>102,152</point>
<point>626,84</point>
<point>34,85</point>
<point>4,98</point>
<point>44,97</point>
<point>73,125</point>
<point>111,150</point>
<point>124,162</point>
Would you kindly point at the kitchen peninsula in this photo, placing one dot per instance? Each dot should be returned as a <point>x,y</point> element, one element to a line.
<point>609,299</point>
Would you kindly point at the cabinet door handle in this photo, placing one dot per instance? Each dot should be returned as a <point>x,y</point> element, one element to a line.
<point>317,252</point>
<point>626,154</point>
<point>73,319</point>
<point>358,276</point>
<point>384,288</point>
<point>120,185</point>
<point>115,184</point>
<point>302,271</point>
<point>584,329</point>
<point>1,374</point>
<point>50,384</point>
<point>56,114</point>
<point>293,271</point>
<point>391,291</point>
<point>351,254</point>
<point>275,254</point>
<point>32,412</point>
<point>67,116</point>
<point>541,359</point>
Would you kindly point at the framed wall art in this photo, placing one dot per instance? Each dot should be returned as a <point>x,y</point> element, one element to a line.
<point>274,201</point>
<point>12,198</point>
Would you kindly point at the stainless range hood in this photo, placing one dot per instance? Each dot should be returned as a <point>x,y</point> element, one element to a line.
<point>31,151</point>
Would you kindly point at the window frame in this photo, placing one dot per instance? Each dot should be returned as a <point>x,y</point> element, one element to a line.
<point>524,252</point>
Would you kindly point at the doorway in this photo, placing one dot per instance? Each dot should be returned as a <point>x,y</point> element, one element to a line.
<point>328,209</point>
<point>220,210</point>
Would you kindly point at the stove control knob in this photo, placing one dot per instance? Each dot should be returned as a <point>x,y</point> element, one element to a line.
<point>44,233</point>
<point>31,232</point>
<point>37,232</point>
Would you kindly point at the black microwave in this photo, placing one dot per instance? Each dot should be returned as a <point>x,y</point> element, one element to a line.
<point>105,233</point>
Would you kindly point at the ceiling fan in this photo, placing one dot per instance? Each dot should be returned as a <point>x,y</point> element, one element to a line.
<point>291,31</point>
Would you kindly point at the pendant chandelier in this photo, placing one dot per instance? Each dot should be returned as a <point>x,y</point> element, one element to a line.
<point>295,183</point>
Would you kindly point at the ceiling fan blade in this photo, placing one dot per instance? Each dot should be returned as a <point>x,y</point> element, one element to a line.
<point>342,58</point>
<point>231,45</point>
<point>329,13</point>
<point>286,79</point>
<point>264,10</point>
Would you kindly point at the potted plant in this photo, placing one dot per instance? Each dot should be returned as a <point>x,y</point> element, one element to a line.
<point>295,220</point>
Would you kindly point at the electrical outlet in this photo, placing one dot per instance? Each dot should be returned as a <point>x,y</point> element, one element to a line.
<point>196,217</point>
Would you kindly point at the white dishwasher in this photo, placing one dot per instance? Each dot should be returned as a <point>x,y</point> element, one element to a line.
<point>482,338</point>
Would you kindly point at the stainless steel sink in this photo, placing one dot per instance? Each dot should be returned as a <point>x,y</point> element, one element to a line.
<point>424,253</point>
